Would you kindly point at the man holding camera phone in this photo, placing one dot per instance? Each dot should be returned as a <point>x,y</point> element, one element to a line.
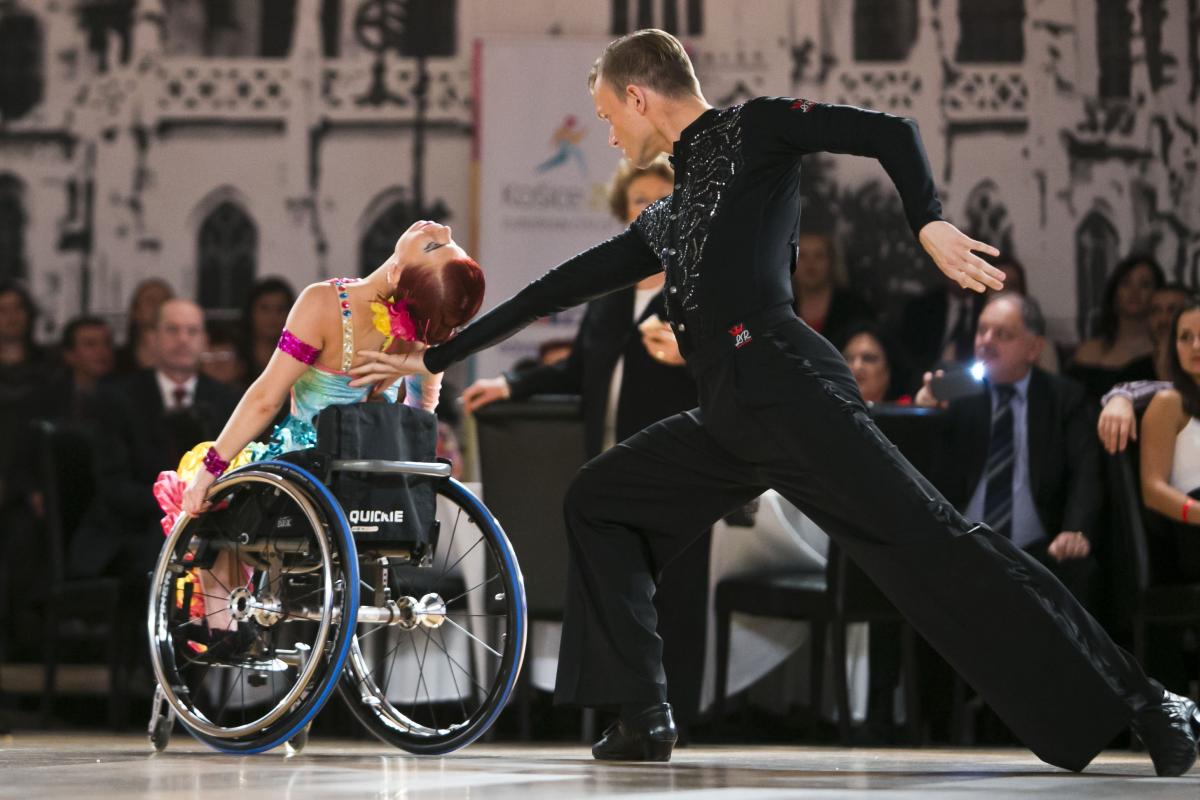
<point>1024,458</point>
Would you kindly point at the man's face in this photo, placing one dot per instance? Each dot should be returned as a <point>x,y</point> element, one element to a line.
<point>814,266</point>
<point>1164,305</point>
<point>180,336</point>
<point>92,354</point>
<point>13,318</point>
<point>1002,342</point>
<point>628,127</point>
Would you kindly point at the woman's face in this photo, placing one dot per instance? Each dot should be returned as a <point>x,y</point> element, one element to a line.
<point>269,314</point>
<point>868,362</point>
<point>14,319</point>
<point>1134,291</point>
<point>150,295</point>
<point>1187,343</point>
<point>814,263</point>
<point>427,242</point>
<point>642,191</point>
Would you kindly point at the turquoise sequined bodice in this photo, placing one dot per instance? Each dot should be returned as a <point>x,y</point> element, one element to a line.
<point>312,393</point>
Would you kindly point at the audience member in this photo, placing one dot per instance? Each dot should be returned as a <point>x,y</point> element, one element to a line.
<point>626,365</point>
<point>875,359</point>
<point>1016,280</point>
<point>1021,456</point>
<point>23,367</point>
<point>263,316</point>
<point>822,298</point>
<point>89,356</point>
<point>1170,477</point>
<point>628,378</point>
<point>1170,451</point>
<point>1118,418</point>
<point>222,359</point>
<point>146,422</point>
<point>138,350</point>
<point>1165,303</point>
<point>1122,349</point>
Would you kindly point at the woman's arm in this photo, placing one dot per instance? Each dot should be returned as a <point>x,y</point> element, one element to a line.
<point>262,400</point>
<point>1164,419</point>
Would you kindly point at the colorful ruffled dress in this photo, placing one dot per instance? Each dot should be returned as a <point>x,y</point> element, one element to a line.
<point>315,390</point>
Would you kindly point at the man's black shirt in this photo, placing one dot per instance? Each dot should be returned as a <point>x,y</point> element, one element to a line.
<point>726,236</point>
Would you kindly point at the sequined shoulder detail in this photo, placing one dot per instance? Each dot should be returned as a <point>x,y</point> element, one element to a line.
<point>298,349</point>
<point>339,284</point>
<point>653,224</point>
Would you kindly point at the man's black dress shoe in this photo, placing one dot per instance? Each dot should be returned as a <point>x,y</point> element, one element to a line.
<point>1170,731</point>
<point>649,735</point>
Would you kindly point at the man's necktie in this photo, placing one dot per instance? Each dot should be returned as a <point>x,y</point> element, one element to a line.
<point>998,495</point>
<point>180,395</point>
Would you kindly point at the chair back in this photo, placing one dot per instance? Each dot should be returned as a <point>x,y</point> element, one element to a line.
<point>913,429</point>
<point>529,452</point>
<point>855,597</point>
<point>1128,517</point>
<point>66,478</point>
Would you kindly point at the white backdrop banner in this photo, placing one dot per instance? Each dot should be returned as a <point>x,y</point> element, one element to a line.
<point>544,165</point>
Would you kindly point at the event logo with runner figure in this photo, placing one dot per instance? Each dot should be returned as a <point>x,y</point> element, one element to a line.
<point>566,143</point>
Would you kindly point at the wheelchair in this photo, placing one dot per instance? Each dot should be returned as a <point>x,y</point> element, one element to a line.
<point>424,641</point>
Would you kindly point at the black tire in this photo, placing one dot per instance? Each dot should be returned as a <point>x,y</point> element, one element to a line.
<point>495,604</point>
<point>284,526</point>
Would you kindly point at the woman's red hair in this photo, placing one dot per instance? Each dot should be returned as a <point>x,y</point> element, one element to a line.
<point>441,297</point>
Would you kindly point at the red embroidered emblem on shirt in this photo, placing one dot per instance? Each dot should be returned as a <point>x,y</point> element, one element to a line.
<point>804,106</point>
<point>741,336</point>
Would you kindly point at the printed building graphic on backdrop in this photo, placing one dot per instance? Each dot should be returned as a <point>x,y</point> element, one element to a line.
<point>211,142</point>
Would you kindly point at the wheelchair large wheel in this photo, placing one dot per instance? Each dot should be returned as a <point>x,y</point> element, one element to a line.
<point>437,681</point>
<point>252,608</point>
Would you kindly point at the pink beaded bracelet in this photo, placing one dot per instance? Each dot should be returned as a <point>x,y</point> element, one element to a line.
<point>214,463</point>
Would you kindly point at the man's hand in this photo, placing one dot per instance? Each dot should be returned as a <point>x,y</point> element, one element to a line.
<point>381,370</point>
<point>484,392</point>
<point>1117,425</point>
<point>1069,546</point>
<point>195,496</point>
<point>951,250</point>
<point>925,396</point>
<point>660,342</point>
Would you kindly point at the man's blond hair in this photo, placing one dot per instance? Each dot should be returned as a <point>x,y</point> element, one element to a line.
<point>651,58</point>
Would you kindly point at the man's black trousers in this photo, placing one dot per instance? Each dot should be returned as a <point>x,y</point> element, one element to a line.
<point>783,412</point>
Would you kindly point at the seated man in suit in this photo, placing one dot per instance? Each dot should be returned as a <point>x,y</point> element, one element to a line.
<point>1031,460</point>
<point>146,421</point>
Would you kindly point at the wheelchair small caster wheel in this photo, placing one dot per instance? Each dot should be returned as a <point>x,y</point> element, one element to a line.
<point>161,734</point>
<point>297,742</point>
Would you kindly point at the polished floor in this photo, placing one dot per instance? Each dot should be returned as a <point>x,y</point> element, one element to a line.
<point>95,767</point>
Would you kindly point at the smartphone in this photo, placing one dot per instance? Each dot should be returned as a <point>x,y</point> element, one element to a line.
<point>956,383</point>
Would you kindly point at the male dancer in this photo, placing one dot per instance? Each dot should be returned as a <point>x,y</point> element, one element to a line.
<point>779,409</point>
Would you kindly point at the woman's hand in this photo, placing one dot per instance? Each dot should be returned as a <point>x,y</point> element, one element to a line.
<point>195,496</point>
<point>951,250</point>
<point>1117,425</point>
<point>660,342</point>
<point>484,392</point>
<point>384,369</point>
<point>925,397</point>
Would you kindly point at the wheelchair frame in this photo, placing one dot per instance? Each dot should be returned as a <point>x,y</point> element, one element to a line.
<point>335,658</point>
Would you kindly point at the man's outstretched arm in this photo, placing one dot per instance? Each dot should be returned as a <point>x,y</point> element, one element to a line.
<point>611,265</point>
<point>790,128</point>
